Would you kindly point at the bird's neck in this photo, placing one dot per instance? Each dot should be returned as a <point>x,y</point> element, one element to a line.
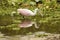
<point>35,11</point>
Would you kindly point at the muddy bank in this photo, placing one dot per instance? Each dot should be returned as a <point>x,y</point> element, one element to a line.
<point>34,36</point>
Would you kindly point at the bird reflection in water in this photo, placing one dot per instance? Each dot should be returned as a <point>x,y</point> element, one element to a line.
<point>27,23</point>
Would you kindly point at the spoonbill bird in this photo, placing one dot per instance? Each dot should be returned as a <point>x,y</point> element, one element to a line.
<point>27,12</point>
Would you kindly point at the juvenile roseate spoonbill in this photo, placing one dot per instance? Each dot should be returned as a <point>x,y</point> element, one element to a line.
<point>27,23</point>
<point>27,12</point>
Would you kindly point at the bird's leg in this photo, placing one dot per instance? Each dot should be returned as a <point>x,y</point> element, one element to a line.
<point>24,18</point>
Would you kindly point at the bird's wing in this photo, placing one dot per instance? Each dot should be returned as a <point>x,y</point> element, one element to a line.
<point>27,12</point>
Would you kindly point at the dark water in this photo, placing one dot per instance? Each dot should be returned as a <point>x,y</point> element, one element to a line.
<point>52,26</point>
<point>49,26</point>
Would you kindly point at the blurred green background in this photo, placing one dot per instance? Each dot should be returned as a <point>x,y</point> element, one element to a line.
<point>49,21</point>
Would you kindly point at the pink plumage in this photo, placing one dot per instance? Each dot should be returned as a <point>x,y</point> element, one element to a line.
<point>27,12</point>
